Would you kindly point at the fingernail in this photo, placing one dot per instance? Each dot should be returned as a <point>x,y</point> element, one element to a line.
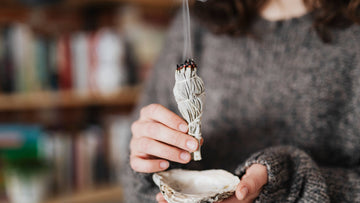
<point>243,193</point>
<point>164,164</point>
<point>192,145</point>
<point>183,128</point>
<point>185,156</point>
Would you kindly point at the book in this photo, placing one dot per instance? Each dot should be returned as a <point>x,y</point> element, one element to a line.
<point>6,62</point>
<point>2,183</point>
<point>110,71</point>
<point>61,156</point>
<point>2,72</point>
<point>53,66</point>
<point>94,62</point>
<point>20,142</point>
<point>87,143</point>
<point>42,64</point>
<point>92,41</point>
<point>19,44</point>
<point>29,63</point>
<point>64,63</point>
<point>80,62</point>
<point>78,160</point>
<point>119,138</point>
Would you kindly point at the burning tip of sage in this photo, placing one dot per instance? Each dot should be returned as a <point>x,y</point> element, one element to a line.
<point>189,63</point>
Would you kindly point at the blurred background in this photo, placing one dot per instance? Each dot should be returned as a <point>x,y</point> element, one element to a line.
<point>71,72</point>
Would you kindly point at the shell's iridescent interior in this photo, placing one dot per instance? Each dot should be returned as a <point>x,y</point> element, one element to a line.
<point>199,183</point>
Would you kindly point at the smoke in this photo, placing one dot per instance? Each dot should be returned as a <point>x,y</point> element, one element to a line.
<point>187,53</point>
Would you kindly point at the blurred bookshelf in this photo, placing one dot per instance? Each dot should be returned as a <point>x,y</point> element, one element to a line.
<point>104,194</point>
<point>152,3</point>
<point>107,194</point>
<point>13,10</point>
<point>71,73</point>
<point>126,96</point>
<point>71,3</point>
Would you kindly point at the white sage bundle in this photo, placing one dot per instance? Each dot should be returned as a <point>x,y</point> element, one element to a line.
<point>189,92</point>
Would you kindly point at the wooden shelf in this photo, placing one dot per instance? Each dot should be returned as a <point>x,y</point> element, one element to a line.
<point>101,195</point>
<point>152,3</point>
<point>126,96</point>
<point>71,3</point>
<point>110,194</point>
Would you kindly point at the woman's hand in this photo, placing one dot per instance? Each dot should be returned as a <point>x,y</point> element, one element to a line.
<point>159,136</point>
<point>250,185</point>
<point>248,189</point>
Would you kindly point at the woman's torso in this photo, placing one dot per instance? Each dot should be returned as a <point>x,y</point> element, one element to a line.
<point>287,87</point>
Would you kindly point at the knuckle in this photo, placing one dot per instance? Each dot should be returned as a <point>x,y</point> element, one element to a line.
<point>134,126</point>
<point>143,111</point>
<point>170,153</point>
<point>133,145</point>
<point>152,108</point>
<point>174,119</point>
<point>143,144</point>
<point>175,155</point>
<point>179,141</point>
<point>151,128</point>
<point>245,176</point>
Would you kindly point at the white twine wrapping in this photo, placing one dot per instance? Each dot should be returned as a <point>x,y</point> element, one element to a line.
<point>189,94</point>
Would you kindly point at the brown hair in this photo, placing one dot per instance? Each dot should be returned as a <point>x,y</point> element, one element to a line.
<point>235,17</point>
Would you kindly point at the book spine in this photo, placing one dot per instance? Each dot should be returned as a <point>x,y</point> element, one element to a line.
<point>80,62</point>
<point>7,74</point>
<point>53,66</point>
<point>64,62</point>
<point>41,62</point>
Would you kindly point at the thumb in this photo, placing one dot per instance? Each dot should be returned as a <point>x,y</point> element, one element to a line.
<point>252,182</point>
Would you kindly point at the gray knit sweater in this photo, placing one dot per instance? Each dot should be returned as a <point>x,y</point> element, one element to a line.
<point>285,100</point>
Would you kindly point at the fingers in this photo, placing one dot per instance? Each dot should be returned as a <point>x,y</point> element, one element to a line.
<point>164,134</point>
<point>163,115</point>
<point>160,198</point>
<point>155,148</point>
<point>159,136</point>
<point>252,182</point>
<point>143,165</point>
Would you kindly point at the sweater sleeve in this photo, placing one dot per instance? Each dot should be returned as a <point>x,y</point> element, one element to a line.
<point>139,187</point>
<point>294,177</point>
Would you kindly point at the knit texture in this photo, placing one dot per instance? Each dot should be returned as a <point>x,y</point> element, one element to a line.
<point>285,100</point>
